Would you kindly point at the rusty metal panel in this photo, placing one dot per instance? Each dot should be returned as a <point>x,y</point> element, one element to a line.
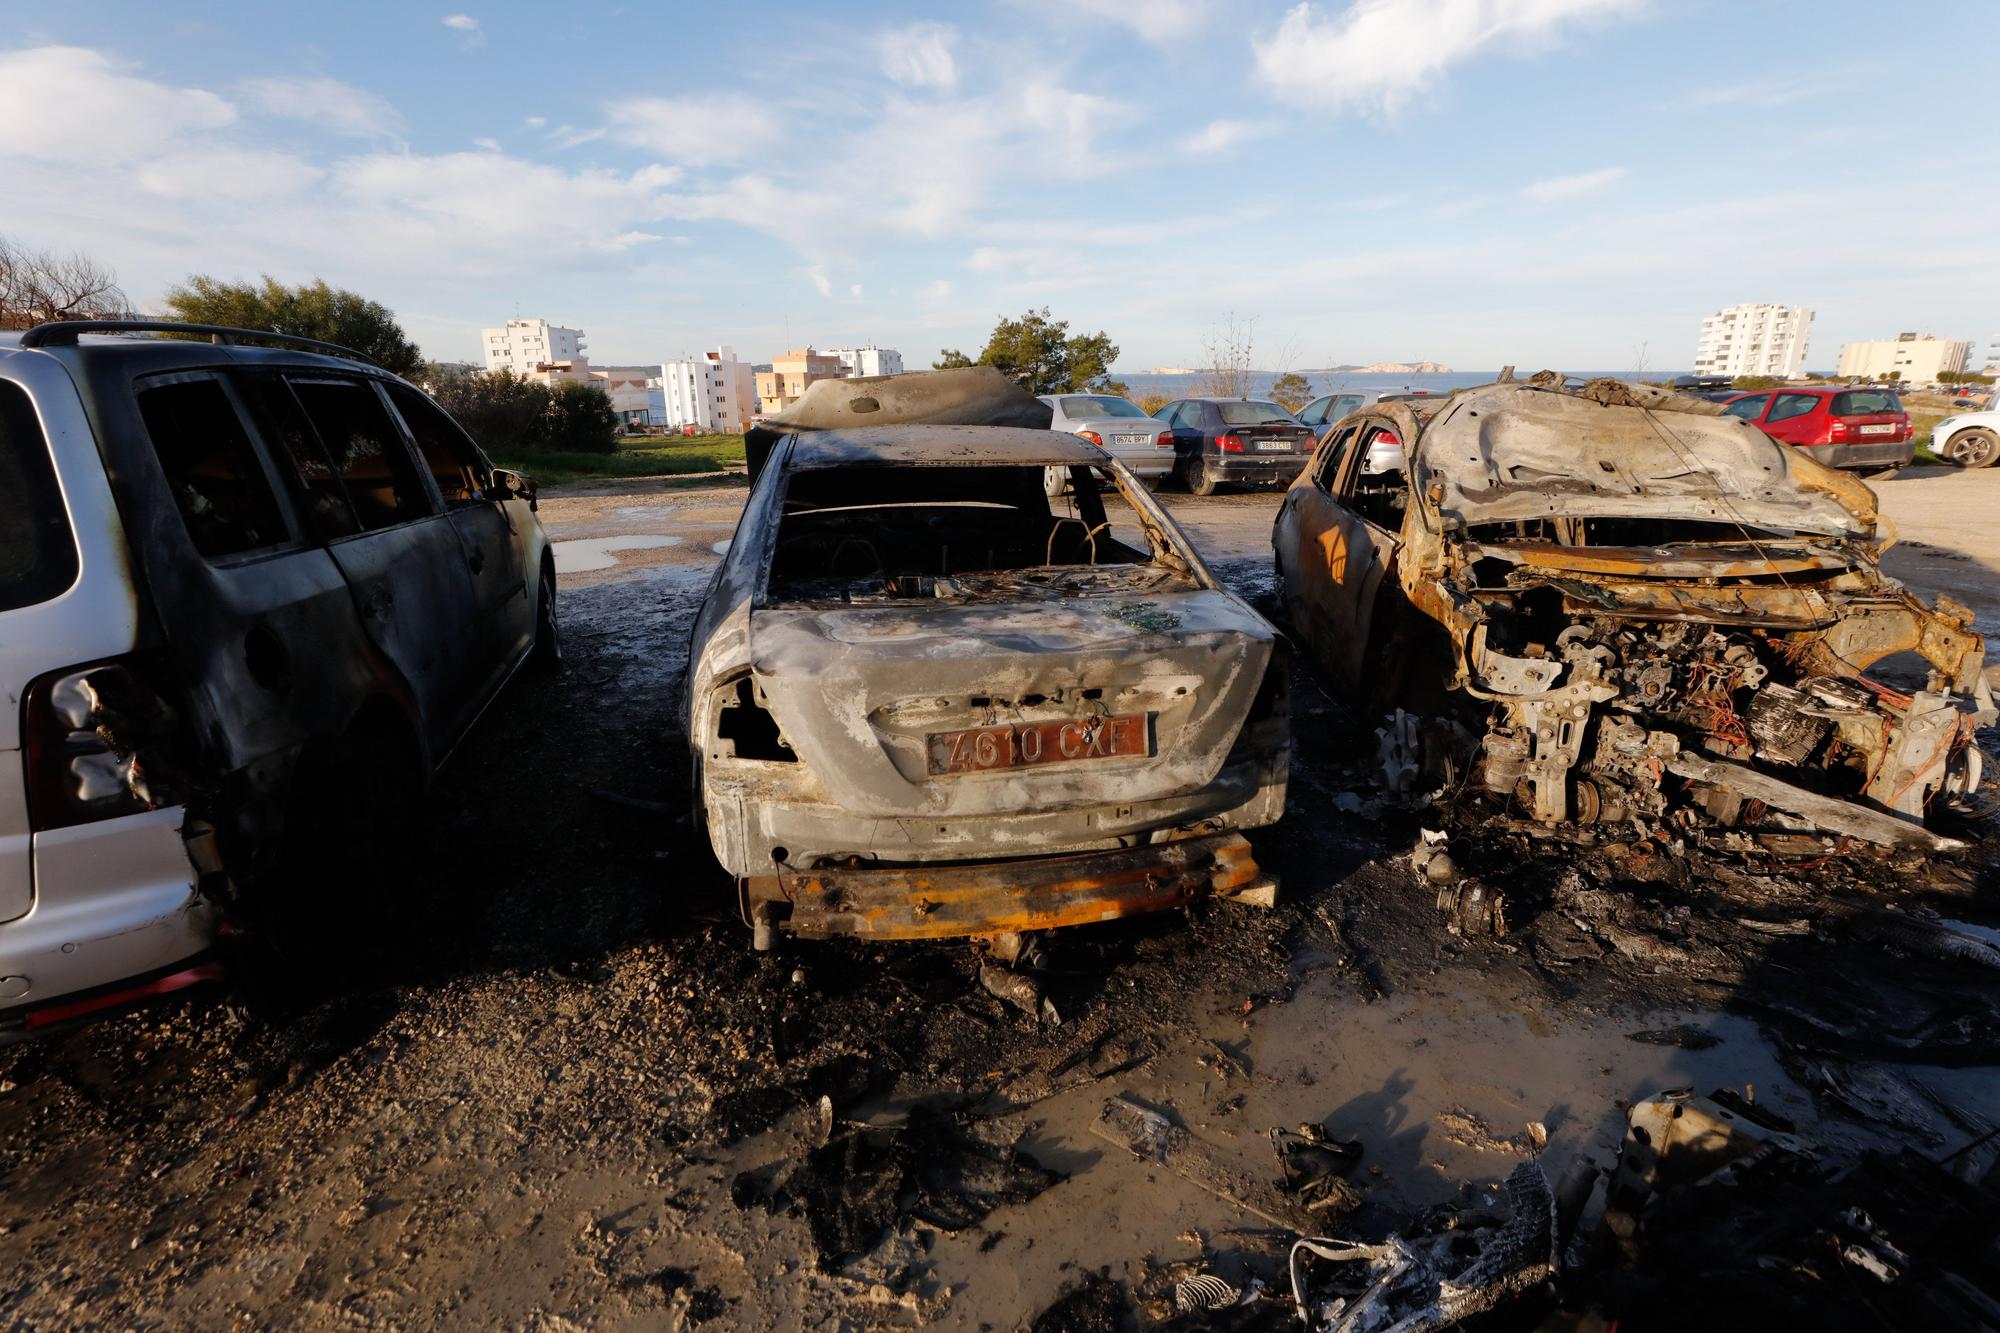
<point>926,902</point>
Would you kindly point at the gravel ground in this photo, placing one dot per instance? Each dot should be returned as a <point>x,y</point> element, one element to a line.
<point>552,1085</point>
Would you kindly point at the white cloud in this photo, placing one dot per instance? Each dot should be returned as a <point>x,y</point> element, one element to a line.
<point>467,27</point>
<point>1777,92</point>
<point>855,290</point>
<point>218,172</point>
<point>70,104</point>
<point>534,122</point>
<point>1220,136</point>
<point>816,275</point>
<point>491,145</point>
<point>329,103</point>
<point>938,291</point>
<point>1569,187</point>
<point>919,55</point>
<point>1379,53</point>
<point>698,130</point>
<point>1159,22</point>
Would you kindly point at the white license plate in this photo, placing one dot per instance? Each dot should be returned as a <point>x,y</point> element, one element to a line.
<point>1131,439</point>
<point>1275,444</point>
<point>1878,430</point>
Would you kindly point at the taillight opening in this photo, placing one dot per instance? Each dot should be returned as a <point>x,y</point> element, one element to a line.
<point>98,744</point>
<point>1092,436</point>
<point>1229,444</point>
<point>1164,440</point>
<point>746,727</point>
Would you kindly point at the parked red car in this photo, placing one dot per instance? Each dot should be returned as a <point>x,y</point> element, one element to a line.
<point>1849,426</point>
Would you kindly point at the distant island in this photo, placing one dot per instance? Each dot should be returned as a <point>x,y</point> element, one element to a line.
<point>1384,368</point>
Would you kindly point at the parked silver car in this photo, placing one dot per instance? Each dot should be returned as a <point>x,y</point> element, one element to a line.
<point>1385,452</point>
<point>1117,426</point>
<point>250,598</point>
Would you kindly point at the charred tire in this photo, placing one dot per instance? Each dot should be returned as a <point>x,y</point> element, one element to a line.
<point>1977,447</point>
<point>547,654</point>
<point>1200,479</point>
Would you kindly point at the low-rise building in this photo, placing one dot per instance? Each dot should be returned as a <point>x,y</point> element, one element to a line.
<point>780,386</point>
<point>627,386</point>
<point>1754,340</point>
<point>713,392</point>
<point>520,345</point>
<point>858,362</point>
<point>1913,358</point>
<point>1990,363</point>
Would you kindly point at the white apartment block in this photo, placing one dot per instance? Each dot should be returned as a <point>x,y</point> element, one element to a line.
<point>1991,362</point>
<point>524,345</point>
<point>1754,340</point>
<point>856,362</point>
<point>711,392</point>
<point>1913,358</point>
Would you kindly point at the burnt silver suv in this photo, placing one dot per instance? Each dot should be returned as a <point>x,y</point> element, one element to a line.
<point>250,599</point>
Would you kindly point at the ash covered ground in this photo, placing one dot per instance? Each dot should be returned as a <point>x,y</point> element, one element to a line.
<point>548,1083</point>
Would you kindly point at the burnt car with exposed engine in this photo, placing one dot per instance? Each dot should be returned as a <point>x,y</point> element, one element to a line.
<point>1612,604</point>
<point>250,598</point>
<point>927,698</point>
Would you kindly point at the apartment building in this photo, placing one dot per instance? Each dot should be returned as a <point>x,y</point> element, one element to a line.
<point>856,362</point>
<point>523,345</point>
<point>1754,340</point>
<point>1913,358</point>
<point>780,386</point>
<point>629,388</point>
<point>1990,363</point>
<point>713,392</point>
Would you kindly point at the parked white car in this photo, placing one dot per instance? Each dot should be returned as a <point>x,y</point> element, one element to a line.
<point>1117,426</point>
<point>1970,439</point>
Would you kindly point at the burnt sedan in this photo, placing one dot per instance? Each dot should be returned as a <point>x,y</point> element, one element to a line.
<point>926,698</point>
<point>1632,609</point>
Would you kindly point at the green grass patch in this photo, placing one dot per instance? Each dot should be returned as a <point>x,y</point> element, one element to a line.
<point>636,456</point>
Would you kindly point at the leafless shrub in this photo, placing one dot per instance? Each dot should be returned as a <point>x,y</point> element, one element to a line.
<point>1226,359</point>
<point>42,286</point>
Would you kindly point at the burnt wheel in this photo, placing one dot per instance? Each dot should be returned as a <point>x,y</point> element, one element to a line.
<point>1977,447</point>
<point>547,654</point>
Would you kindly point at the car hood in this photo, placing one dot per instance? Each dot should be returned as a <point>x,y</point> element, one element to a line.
<point>857,690</point>
<point>1610,449</point>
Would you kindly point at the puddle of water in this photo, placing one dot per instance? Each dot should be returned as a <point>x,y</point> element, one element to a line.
<point>642,511</point>
<point>587,553</point>
<point>1988,933</point>
<point>721,547</point>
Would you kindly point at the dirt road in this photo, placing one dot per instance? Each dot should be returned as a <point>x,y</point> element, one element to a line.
<point>555,1088</point>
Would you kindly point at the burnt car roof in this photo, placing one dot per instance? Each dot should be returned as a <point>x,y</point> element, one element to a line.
<point>958,445</point>
<point>1522,450</point>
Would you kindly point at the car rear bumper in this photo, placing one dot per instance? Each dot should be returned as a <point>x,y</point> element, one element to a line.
<point>1851,456</point>
<point>1146,462</point>
<point>1257,468</point>
<point>985,898</point>
<point>114,900</point>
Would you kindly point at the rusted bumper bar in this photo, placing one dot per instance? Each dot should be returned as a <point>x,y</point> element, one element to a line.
<point>922,902</point>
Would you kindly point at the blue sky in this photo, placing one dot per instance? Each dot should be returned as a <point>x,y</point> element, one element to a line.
<point>1569,183</point>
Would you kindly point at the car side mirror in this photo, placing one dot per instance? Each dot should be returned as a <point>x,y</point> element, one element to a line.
<point>510,485</point>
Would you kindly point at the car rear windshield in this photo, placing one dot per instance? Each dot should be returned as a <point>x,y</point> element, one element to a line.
<point>37,551</point>
<point>1099,405</point>
<point>1254,414</point>
<point>1865,402</point>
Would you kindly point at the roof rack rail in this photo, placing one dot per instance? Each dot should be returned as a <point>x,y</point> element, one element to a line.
<point>63,333</point>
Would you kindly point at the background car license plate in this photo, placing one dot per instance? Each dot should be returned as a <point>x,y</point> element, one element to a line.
<point>1878,430</point>
<point>1131,439</point>
<point>982,749</point>
<point>1274,444</point>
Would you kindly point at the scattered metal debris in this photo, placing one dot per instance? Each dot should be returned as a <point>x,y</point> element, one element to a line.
<point>1417,1283</point>
<point>1150,1135</point>
<point>1204,1291</point>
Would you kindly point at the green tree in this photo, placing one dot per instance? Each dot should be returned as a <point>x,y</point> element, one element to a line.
<point>580,419</point>
<point>1291,391</point>
<point>502,411</point>
<point>1042,356</point>
<point>1153,402</point>
<point>1755,382</point>
<point>952,359</point>
<point>316,310</point>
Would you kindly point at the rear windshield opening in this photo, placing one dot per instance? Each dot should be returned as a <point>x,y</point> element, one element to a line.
<point>1251,413</point>
<point>1099,405</point>
<point>1865,403</point>
<point>37,551</point>
<point>893,532</point>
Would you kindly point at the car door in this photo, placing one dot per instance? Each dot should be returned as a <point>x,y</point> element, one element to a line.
<point>494,531</point>
<point>1313,414</point>
<point>1335,558</point>
<point>263,624</point>
<point>1304,517</point>
<point>387,531</point>
<point>1191,431</point>
<point>1791,418</point>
